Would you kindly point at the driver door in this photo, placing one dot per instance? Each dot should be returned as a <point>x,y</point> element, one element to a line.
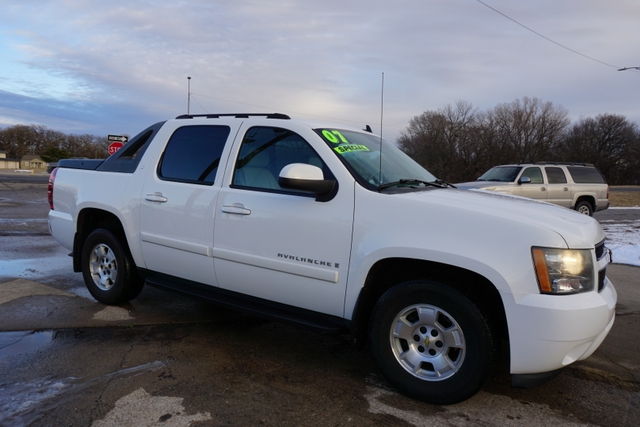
<point>277,244</point>
<point>536,189</point>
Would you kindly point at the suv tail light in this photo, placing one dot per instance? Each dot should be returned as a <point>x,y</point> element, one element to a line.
<point>52,178</point>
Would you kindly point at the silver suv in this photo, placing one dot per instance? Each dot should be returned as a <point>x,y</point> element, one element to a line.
<point>578,186</point>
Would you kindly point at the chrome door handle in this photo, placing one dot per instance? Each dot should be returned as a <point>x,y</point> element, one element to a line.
<point>155,197</point>
<point>236,209</point>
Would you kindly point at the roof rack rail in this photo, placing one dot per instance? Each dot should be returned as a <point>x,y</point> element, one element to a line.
<point>236,115</point>
<point>565,163</point>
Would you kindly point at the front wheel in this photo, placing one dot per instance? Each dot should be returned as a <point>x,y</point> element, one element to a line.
<point>432,342</point>
<point>108,269</point>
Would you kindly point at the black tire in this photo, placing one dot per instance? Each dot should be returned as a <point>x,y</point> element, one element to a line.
<point>442,356</point>
<point>108,269</point>
<point>584,208</point>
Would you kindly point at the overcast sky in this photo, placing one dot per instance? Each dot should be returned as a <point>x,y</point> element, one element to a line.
<point>116,67</point>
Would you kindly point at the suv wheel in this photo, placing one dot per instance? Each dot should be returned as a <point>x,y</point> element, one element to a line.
<point>432,342</point>
<point>584,208</point>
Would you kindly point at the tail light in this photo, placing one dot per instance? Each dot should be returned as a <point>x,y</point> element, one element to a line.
<point>52,178</point>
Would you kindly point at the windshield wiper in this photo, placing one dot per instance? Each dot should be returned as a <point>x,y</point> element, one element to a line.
<point>444,183</point>
<point>437,183</point>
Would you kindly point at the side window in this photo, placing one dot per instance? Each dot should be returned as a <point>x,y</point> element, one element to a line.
<point>535,174</point>
<point>584,175</point>
<point>556,175</point>
<point>193,154</point>
<point>263,154</point>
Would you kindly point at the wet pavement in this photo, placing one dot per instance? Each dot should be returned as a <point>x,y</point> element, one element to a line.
<point>164,359</point>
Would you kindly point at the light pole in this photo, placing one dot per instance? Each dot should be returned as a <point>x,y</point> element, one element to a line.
<point>188,95</point>
<point>628,68</point>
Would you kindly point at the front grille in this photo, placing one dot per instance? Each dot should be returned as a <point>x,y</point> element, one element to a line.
<point>601,275</point>
<point>600,250</point>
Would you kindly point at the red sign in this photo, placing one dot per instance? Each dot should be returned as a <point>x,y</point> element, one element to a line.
<point>115,146</point>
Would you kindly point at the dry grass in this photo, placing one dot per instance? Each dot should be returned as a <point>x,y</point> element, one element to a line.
<point>621,199</point>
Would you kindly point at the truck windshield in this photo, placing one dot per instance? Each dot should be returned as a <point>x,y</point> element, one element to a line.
<point>361,151</point>
<point>501,174</point>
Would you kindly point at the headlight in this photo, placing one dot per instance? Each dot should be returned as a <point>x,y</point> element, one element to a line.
<point>563,271</point>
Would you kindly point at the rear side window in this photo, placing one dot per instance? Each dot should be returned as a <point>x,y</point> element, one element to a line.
<point>193,154</point>
<point>556,176</point>
<point>582,175</point>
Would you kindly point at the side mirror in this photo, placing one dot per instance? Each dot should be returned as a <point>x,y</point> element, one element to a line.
<point>304,177</point>
<point>524,180</point>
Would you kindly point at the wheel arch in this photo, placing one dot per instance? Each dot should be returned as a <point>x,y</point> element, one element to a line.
<point>586,198</point>
<point>90,219</point>
<point>389,272</point>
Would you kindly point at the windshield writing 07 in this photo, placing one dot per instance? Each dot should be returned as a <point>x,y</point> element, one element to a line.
<point>361,153</point>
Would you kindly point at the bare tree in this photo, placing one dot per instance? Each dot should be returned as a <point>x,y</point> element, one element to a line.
<point>458,143</point>
<point>442,140</point>
<point>631,163</point>
<point>20,140</point>
<point>529,129</point>
<point>608,141</point>
<point>15,140</point>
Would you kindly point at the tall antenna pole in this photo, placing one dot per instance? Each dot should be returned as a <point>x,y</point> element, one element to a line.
<point>381,118</point>
<point>381,105</point>
<point>188,95</point>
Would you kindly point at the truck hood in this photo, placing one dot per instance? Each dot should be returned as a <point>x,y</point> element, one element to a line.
<point>577,230</point>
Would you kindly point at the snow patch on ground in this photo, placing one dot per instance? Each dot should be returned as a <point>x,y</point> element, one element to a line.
<point>623,238</point>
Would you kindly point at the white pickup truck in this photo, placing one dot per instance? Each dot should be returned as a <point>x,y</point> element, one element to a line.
<point>338,230</point>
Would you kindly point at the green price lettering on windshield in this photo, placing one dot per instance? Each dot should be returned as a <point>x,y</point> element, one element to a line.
<point>334,136</point>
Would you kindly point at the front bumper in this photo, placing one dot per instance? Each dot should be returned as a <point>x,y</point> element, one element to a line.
<point>549,332</point>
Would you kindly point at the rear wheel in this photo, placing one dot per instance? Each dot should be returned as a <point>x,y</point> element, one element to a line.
<point>432,342</point>
<point>108,269</point>
<point>584,208</point>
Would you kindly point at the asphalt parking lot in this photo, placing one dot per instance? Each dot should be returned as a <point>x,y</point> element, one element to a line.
<point>167,360</point>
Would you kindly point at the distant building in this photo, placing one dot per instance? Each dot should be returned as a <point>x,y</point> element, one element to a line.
<point>8,163</point>
<point>32,162</point>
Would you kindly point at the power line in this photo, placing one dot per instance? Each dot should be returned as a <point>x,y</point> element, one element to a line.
<point>545,37</point>
<point>196,101</point>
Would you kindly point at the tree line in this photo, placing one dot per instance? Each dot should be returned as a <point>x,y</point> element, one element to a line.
<point>20,140</point>
<point>458,143</point>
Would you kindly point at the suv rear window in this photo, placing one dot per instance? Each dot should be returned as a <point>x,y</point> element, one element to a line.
<point>582,175</point>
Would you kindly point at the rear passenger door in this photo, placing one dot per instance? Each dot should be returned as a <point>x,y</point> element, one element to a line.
<point>558,189</point>
<point>178,204</point>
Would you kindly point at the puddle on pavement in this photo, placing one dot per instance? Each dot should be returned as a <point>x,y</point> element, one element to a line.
<point>23,403</point>
<point>12,343</point>
<point>35,267</point>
